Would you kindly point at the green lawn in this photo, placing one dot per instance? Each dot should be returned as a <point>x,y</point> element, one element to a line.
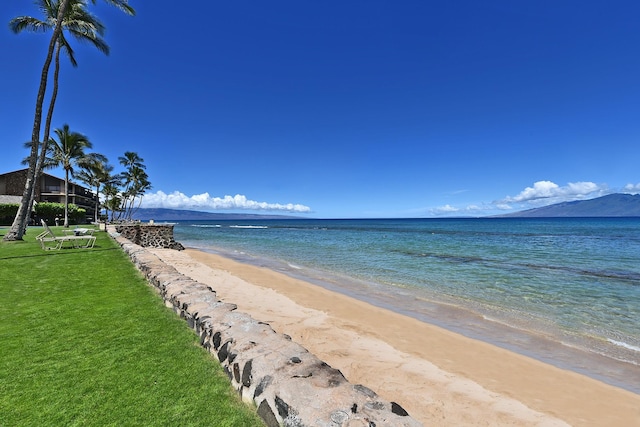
<point>85,341</point>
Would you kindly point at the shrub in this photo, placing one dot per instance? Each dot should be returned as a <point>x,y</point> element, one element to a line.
<point>8,212</point>
<point>49,211</point>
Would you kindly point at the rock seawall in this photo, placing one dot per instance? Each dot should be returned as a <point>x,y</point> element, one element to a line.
<point>150,235</point>
<point>289,386</point>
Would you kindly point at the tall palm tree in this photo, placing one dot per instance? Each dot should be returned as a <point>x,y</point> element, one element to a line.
<point>136,183</point>
<point>131,160</point>
<point>17,228</point>
<point>135,180</point>
<point>142,186</point>
<point>68,152</point>
<point>82,25</point>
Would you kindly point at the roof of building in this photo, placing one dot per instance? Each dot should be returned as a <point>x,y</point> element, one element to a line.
<point>71,181</point>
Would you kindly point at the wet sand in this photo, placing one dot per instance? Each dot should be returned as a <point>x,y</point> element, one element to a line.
<point>441,378</point>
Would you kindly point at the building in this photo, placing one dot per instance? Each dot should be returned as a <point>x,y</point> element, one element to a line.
<point>49,189</point>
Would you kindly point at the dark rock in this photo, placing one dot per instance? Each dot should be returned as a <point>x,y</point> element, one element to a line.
<point>216,340</point>
<point>265,412</point>
<point>224,351</point>
<point>398,410</point>
<point>246,374</point>
<point>264,383</point>
<point>236,372</point>
<point>283,408</point>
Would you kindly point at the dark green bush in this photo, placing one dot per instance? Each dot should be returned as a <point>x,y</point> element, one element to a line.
<point>8,212</point>
<point>49,211</point>
<point>45,210</point>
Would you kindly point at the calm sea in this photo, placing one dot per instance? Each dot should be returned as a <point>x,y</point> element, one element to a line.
<point>564,291</point>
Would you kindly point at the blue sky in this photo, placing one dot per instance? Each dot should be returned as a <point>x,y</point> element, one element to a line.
<point>335,109</point>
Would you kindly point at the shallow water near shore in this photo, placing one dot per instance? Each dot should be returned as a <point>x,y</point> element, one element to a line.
<point>564,291</point>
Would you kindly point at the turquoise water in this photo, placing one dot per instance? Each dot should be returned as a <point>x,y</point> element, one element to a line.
<point>565,291</point>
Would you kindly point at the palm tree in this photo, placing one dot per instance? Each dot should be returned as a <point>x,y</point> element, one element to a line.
<point>79,23</point>
<point>112,200</point>
<point>136,183</point>
<point>68,152</point>
<point>134,172</point>
<point>131,160</point>
<point>94,171</point>
<point>17,228</point>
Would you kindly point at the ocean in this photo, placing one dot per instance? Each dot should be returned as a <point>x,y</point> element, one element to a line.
<point>565,291</point>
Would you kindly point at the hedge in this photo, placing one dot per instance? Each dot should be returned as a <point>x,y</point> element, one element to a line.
<point>8,212</point>
<point>45,210</point>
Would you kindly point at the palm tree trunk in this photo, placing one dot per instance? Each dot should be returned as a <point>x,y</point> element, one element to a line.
<point>17,228</point>
<point>47,128</point>
<point>66,198</point>
<point>97,203</point>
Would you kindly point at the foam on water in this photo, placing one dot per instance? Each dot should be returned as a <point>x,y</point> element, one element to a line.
<point>624,345</point>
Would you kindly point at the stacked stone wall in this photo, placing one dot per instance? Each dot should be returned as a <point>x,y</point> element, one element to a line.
<point>288,385</point>
<point>150,235</point>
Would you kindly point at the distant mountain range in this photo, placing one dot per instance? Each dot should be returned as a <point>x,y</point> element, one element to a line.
<point>160,214</point>
<point>612,205</point>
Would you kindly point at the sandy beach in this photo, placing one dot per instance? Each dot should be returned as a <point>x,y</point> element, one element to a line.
<point>441,378</point>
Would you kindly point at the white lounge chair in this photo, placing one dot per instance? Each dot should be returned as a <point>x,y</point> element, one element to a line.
<point>78,231</point>
<point>50,241</point>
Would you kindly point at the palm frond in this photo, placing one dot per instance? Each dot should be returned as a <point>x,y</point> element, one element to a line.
<point>28,23</point>
<point>120,4</point>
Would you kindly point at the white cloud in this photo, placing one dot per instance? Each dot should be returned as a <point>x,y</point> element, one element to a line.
<point>204,201</point>
<point>542,193</point>
<point>632,188</point>
<point>547,192</point>
<point>469,210</point>
<point>445,209</point>
<point>503,206</point>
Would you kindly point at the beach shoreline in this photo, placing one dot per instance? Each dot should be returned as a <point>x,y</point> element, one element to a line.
<point>439,377</point>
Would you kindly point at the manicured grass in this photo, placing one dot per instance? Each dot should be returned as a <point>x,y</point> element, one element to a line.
<point>85,341</point>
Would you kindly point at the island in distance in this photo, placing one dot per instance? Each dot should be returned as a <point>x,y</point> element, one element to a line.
<point>612,205</point>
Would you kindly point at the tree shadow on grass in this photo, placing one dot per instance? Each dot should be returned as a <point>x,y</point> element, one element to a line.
<point>61,252</point>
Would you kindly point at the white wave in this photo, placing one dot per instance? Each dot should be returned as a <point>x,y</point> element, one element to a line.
<point>248,226</point>
<point>624,344</point>
<point>206,225</point>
